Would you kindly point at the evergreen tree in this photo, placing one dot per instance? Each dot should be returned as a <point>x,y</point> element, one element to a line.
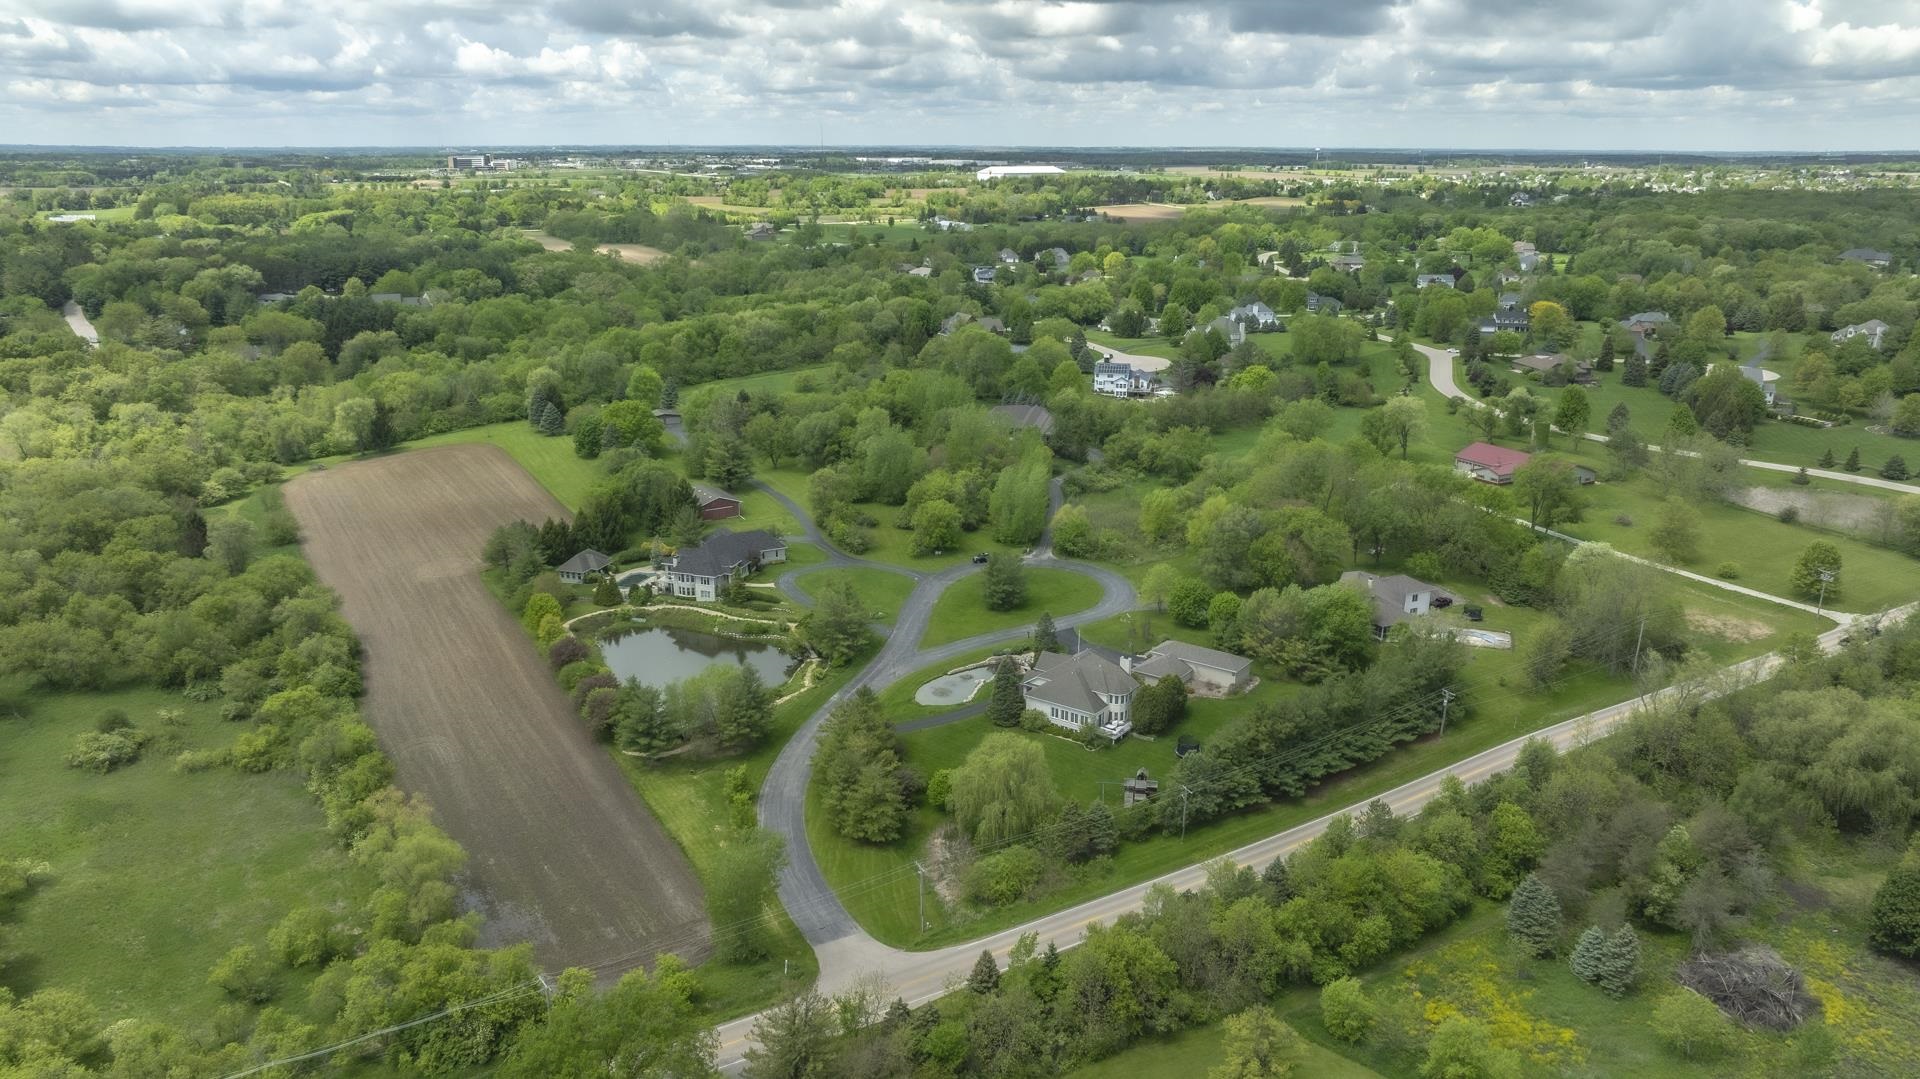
<point>1826,459</point>
<point>1588,955</point>
<point>1662,356</point>
<point>1893,918</point>
<point>1103,832</point>
<point>731,463</point>
<point>552,422</point>
<point>1853,460</point>
<point>1618,419</point>
<point>745,710</point>
<point>1006,585</point>
<point>1278,881</point>
<point>1605,361</point>
<point>1533,917</point>
<point>606,593</point>
<point>1635,372</point>
<point>986,974</point>
<point>1894,469</point>
<point>1006,703</point>
<point>1681,424</point>
<point>670,394</point>
<point>1620,962</point>
<point>1044,638</point>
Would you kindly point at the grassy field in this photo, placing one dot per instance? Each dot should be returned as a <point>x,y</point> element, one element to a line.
<point>1188,1055</point>
<point>961,611</point>
<point>550,460</point>
<point>878,885</point>
<point>881,591</point>
<point>153,874</point>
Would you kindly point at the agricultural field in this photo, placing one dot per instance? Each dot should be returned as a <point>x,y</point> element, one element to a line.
<point>153,873</point>
<point>562,853</point>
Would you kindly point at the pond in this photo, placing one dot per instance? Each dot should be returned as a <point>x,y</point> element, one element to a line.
<point>662,655</point>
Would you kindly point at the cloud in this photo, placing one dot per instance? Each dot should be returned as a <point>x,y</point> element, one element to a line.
<point>1812,74</point>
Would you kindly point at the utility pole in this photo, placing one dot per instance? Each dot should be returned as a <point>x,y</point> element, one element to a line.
<point>1637,638</point>
<point>1184,791</point>
<point>1446,698</point>
<point>1826,576</point>
<point>920,874</point>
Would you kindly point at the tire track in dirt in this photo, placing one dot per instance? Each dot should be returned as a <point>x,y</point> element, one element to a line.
<point>563,852</point>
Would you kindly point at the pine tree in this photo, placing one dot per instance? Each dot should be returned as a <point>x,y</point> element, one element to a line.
<point>1894,469</point>
<point>1605,362</point>
<point>1618,419</point>
<point>1533,917</point>
<point>606,593</point>
<point>1620,962</point>
<point>1587,954</point>
<point>1103,832</point>
<point>551,421</point>
<point>1662,356</point>
<point>1278,881</point>
<point>1044,638</point>
<point>1006,703</point>
<point>670,394</point>
<point>986,974</point>
<point>1826,459</point>
<point>1853,460</point>
<point>1635,373</point>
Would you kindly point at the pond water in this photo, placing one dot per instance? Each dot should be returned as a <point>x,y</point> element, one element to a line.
<point>661,655</point>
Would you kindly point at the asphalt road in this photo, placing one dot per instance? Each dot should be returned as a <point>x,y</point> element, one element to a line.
<point>921,976</point>
<point>1440,375</point>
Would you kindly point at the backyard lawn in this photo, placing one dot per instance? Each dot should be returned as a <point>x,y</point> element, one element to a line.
<point>961,611</point>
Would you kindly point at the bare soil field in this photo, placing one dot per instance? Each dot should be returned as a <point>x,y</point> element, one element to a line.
<point>640,253</point>
<point>563,853</point>
<point>1141,211</point>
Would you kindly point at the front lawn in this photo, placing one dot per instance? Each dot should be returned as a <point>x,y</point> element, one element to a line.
<point>881,592</point>
<point>961,610</point>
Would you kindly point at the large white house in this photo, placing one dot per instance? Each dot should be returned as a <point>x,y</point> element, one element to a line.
<point>1124,380</point>
<point>1081,691</point>
<point>703,572</point>
<point>1872,329</point>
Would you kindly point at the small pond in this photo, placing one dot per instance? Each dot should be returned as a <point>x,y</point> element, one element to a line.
<point>662,655</point>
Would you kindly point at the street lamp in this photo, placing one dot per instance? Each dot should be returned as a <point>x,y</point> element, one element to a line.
<point>1826,576</point>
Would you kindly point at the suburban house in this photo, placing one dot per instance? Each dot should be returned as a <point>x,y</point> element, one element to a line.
<point>588,563</point>
<point>1202,668</point>
<point>1522,247</point>
<point>1348,263</point>
<point>1322,305</point>
<point>1520,199</point>
<point>1442,280</point>
<point>1254,316</point>
<point>714,503</point>
<point>761,230</point>
<point>1544,363</point>
<point>1080,691</point>
<point>1646,322</point>
<point>1504,320</point>
<point>1528,261</point>
<point>1395,598</point>
<point>1234,332</point>
<point>961,318</point>
<point>1008,256</point>
<point>1872,329</point>
<point>1489,463</point>
<point>1879,260</point>
<point>1768,381</point>
<point>983,275</point>
<point>703,572</point>
<point>947,224</point>
<point>1112,379</point>
<point>1054,257</point>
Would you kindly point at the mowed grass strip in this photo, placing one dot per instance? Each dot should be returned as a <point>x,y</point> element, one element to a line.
<point>961,610</point>
<point>153,874</point>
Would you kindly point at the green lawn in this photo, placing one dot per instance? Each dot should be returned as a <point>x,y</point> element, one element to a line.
<point>153,874</point>
<point>688,795</point>
<point>878,884</point>
<point>101,216</point>
<point>961,610</point>
<point>548,459</point>
<point>890,544</point>
<point>764,383</point>
<point>882,592</point>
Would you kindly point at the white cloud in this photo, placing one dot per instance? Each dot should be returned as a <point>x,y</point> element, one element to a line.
<point>1735,74</point>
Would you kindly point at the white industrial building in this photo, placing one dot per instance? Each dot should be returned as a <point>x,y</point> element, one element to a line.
<point>995,172</point>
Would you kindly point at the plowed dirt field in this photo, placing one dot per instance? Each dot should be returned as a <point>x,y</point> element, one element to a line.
<point>563,852</point>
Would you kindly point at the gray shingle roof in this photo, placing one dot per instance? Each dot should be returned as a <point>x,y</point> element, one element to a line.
<point>722,551</point>
<point>1389,593</point>
<point>1202,657</point>
<point>1076,682</point>
<point>587,561</point>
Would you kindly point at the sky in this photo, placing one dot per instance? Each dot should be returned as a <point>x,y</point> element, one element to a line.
<point>1729,75</point>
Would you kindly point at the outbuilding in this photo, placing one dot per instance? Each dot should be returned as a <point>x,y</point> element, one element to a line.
<point>583,566</point>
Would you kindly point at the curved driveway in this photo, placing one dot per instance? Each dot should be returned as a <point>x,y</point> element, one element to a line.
<point>1440,377</point>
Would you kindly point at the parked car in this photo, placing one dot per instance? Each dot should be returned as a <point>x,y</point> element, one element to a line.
<point>980,559</point>
<point>1443,601</point>
<point>1472,613</point>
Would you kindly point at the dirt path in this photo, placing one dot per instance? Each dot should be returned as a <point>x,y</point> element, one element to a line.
<point>563,852</point>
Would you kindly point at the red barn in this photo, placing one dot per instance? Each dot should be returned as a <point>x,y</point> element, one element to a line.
<point>715,504</point>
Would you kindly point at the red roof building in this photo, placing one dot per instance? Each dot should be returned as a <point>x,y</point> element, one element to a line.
<point>1489,463</point>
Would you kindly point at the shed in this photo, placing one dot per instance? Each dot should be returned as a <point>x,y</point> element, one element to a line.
<point>587,563</point>
<point>714,503</point>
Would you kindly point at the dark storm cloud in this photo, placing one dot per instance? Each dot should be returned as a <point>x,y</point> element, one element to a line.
<point>1351,18</point>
